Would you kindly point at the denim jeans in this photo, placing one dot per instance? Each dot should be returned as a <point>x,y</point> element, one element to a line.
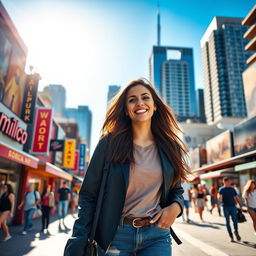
<point>230,211</point>
<point>62,208</point>
<point>28,218</point>
<point>144,241</point>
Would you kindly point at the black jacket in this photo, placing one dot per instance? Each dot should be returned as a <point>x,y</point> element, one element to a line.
<point>113,201</point>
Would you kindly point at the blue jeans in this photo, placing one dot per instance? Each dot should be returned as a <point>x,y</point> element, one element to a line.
<point>28,218</point>
<point>230,211</point>
<point>62,208</point>
<point>145,241</point>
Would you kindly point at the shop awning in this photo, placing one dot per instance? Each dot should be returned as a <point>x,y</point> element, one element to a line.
<point>18,156</point>
<point>216,174</point>
<point>56,171</point>
<point>233,161</point>
<point>246,166</point>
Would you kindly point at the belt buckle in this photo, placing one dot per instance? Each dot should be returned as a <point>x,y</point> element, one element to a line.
<point>133,223</point>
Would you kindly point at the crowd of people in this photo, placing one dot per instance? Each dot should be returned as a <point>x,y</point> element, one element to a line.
<point>35,205</point>
<point>228,196</point>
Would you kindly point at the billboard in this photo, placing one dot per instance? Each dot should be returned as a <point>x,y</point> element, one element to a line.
<point>249,79</point>
<point>81,164</point>
<point>245,136</point>
<point>42,131</point>
<point>219,148</point>
<point>69,153</point>
<point>57,145</point>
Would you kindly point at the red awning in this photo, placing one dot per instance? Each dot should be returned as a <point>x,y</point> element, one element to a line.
<point>18,156</point>
<point>56,171</point>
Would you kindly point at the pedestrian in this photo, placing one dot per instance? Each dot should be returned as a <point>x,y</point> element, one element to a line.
<point>144,156</point>
<point>74,201</point>
<point>64,199</point>
<point>30,202</point>
<point>193,192</point>
<point>229,199</point>
<point>6,209</point>
<point>186,186</point>
<point>47,204</point>
<point>249,194</point>
<point>214,199</point>
<point>200,201</point>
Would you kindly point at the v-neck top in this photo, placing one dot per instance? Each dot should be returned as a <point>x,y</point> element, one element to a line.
<point>145,180</point>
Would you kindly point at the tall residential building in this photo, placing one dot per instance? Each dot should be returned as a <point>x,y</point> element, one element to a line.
<point>200,105</point>
<point>57,94</point>
<point>112,91</point>
<point>83,117</point>
<point>224,60</point>
<point>174,78</point>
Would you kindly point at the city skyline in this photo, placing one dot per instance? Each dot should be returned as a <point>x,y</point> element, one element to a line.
<point>92,64</point>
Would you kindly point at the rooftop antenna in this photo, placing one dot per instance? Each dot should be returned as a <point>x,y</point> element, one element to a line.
<point>158,24</point>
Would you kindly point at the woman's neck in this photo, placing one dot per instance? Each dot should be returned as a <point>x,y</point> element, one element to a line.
<point>142,134</point>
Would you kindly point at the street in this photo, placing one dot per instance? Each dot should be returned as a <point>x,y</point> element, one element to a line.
<point>199,239</point>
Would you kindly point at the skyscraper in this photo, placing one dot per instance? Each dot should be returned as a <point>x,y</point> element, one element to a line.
<point>112,91</point>
<point>57,94</point>
<point>224,60</point>
<point>200,105</point>
<point>83,117</point>
<point>173,78</point>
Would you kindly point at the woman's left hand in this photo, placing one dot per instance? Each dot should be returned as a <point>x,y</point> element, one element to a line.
<point>167,216</point>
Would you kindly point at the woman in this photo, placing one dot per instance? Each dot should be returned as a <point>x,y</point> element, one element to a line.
<point>143,195</point>
<point>214,198</point>
<point>249,194</point>
<point>47,204</point>
<point>200,200</point>
<point>6,209</point>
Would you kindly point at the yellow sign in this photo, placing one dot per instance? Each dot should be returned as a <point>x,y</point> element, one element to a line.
<point>69,153</point>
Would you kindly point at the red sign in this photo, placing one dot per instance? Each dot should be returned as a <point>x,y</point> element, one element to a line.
<point>17,156</point>
<point>42,131</point>
<point>75,169</point>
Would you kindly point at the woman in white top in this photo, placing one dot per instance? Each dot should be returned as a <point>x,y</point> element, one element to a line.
<point>249,195</point>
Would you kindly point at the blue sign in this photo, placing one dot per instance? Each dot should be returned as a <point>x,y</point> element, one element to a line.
<point>81,163</point>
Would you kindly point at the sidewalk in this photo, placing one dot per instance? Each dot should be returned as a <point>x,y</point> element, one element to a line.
<point>37,243</point>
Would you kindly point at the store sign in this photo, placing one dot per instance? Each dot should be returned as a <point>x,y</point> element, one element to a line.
<point>75,169</point>
<point>69,154</point>
<point>17,156</point>
<point>82,158</point>
<point>56,145</point>
<point>29,100</point>
<point>42,131</point>
<point>10,127</point>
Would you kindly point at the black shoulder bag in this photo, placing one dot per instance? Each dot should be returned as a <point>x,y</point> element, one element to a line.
<point>91,248</point>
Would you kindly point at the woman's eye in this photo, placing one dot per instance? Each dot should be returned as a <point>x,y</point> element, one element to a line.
<point>131,100</point>
<point>145,98</point>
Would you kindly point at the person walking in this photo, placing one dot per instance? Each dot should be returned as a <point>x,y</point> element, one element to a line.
<point>249,195</point>
<point>30,202</point>
<point>74,201</point>
<point>6,209</point>
<point>145,159</point>
<point>186,186</point>
<point>200,200</point>
<point>47,204</point>
<point>214,199</point>
<point>229,198</point>
<point>64,199</point>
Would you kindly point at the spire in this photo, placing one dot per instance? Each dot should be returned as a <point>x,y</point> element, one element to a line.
<point>158,25</point>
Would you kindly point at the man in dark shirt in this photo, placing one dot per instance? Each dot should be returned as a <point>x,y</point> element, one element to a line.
<point>64,199</point>
<point>229,199</point>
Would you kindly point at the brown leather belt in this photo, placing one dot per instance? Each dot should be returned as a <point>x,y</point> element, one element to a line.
<point>137,222</point>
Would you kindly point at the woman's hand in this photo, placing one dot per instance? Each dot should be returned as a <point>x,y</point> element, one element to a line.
<point>167,216</point>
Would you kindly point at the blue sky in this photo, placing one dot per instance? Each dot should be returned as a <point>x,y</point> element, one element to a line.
<point>87,45</point>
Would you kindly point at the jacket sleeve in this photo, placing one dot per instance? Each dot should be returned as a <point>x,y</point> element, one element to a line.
<point>176,195</point>
<point>87,202</point>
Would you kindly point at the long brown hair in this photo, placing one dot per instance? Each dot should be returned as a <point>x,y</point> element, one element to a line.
<point>247,187</point>
<point>163,125</point>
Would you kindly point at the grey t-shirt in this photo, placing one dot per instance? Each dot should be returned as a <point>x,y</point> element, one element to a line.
<point>30,198</point>
<point>145,181</point>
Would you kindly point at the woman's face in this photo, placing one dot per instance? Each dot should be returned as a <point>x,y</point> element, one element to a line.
<point>252,187</point>
<point>140,105</point>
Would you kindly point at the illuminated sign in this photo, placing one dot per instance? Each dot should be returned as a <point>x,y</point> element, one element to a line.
<point>42,131</point>
<point>69,153</point>
<point>82,158</point>
<point>29,100</point>
<point>10,127</point>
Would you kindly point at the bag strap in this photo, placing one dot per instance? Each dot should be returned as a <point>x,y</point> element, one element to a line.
<point>100,197</point>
